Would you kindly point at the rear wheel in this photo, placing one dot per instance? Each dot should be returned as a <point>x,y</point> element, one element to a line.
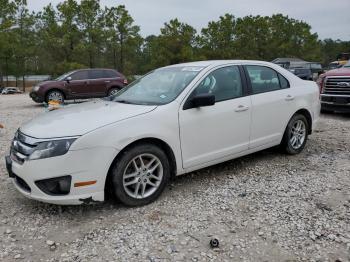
<point>140,175</point>
<point>295,135</point>
<point>113,91</point>
<point>55,95</point>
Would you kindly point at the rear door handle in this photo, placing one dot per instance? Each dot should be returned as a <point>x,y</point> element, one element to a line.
<point>241,108</point>
<point>107,81</point>
<point>289,98</point>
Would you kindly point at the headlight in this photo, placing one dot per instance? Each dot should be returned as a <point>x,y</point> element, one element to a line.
<point>36,88</point>
<point>51,148</point>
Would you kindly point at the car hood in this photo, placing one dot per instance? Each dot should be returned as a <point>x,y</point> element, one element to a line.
<point>344,71</point>
<point>49,83</point>
<point>76,120</point>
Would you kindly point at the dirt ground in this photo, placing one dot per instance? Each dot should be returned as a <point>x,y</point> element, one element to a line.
<point>263,207</point>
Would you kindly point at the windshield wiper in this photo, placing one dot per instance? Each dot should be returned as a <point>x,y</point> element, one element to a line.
<point>123,101</point>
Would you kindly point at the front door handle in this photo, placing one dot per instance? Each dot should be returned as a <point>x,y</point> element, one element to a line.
<point>289,98</point>
<point>107,81</point>
<point>241,108</point>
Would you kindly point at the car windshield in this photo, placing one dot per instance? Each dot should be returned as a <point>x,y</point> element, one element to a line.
<point>159,87</point>
<point>62,77</point>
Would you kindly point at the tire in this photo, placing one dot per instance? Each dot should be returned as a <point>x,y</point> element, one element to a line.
<point>113,91</point>
<point>325,111</point>
<point>295,145</point>
<point>134,186</point>
<point>54,95</point>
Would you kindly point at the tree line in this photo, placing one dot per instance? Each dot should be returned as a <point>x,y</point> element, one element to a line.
<point>76,35</point>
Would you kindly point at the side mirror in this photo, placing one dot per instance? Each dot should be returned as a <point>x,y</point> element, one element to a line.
<point>200,101</point>
<point>68,79</point>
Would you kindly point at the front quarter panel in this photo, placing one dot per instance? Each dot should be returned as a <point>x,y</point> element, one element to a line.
<point>161,123</point>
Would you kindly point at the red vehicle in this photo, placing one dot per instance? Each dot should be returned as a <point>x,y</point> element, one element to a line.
<point>335,89</point>
<point>79,84</point>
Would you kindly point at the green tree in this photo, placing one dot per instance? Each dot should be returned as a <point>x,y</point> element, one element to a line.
<point>332,48</point>
<point>71,36</point>
<point>123,38</point>
<point>7,21</point>
<point>217,40</point>
<point>90,23</point>
<point>177,42</point>
<point>24,41</point>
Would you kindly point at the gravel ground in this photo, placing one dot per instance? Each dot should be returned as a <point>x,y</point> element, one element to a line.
<point>263,207</point>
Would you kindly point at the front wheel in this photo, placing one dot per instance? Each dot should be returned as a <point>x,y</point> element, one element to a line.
<point>295,135</point>
<point>140,175</point>
<point>55,95</point>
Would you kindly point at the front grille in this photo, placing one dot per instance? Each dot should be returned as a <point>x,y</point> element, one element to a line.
<point>22,146</point>
<point>337,85</point>
<point>22,184</point>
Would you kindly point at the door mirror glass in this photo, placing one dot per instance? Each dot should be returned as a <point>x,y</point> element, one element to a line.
<point>68,79</point>
<point>202,100</point>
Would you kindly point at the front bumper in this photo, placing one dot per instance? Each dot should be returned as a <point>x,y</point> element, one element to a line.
<point>82,165</point>
<point>340,103</point>
<point>36,98</point>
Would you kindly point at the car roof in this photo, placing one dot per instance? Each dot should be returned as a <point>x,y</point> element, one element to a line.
<point>213,63</point>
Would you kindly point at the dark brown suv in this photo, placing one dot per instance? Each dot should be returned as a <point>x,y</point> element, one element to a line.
<point>79,84</point>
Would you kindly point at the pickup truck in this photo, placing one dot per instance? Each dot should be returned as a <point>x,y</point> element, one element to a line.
<point>335,89</point>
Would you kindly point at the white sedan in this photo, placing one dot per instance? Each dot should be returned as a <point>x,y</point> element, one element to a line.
<point>172,121</point>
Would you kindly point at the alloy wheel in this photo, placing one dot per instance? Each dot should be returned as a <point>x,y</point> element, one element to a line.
<point>142,176</point>
<point>55,96</point>
<point>113,92</point>
<point>297,134</point>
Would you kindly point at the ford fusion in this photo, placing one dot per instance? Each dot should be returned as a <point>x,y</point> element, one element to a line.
<point>172,121</point>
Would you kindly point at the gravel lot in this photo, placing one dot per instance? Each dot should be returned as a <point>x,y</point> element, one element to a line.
<point>263,207</point>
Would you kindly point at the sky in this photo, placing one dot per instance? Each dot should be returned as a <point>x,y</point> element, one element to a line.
<point>328,18</point>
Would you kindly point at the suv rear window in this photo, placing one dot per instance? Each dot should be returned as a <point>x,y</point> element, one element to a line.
<point>97,74</point>
<point>110,74</point>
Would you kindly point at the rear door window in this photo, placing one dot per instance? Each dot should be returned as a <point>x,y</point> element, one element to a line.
<point>109,74</point>
<point>264,79</point>
<point>283,81</point>
<point>96,74</point>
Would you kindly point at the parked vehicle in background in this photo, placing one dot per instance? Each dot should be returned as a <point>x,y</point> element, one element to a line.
<point>10,91</point>
<point>335,89</point>
<point>79,84</point>
<point>288,63</point>
<point>303,73</point>
<point>343,58</point>
<point>334,65</point>
<point>172,121</point>
<point>293,63</point>
<point>316,69</point>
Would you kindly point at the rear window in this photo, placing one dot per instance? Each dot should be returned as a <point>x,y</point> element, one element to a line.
<point>110,74</point>
<point>97,74</point>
